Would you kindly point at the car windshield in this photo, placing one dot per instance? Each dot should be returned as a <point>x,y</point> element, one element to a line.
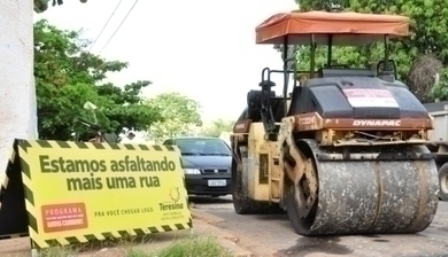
<point>203,147</point>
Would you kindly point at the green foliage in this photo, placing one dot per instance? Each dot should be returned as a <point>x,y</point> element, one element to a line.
<point>67,76</point>
<point>196,247</point>
<point>428,33</point>
<point>181,115</point>
<point>440,90</point>
<point>191,247</point>
<point>42,5</point>
<point>217,127</point>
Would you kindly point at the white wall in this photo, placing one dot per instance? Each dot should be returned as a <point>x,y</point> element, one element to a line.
<point>17,93</point>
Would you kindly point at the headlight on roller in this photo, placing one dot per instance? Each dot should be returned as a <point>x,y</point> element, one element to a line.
<point>192,171</point>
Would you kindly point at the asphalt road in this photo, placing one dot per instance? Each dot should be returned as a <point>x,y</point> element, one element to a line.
<point>275,232</point>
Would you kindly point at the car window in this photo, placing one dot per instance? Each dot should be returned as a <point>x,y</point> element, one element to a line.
<point>168,142</point>
<point>203,147</point>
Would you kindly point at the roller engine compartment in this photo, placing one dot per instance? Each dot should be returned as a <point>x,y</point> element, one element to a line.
<point>356,98</point>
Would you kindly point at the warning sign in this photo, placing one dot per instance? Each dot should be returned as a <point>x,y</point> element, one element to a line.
<point>78,192</point>
<point>367,97</point>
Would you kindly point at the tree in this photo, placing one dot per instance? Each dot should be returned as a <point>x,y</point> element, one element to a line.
<point>423,77</point>
<point>67,76</point>
<point>428,34</point>
<point>181,115</point>
<point>440,90</point>
<point>217,127</point>
<point>42,5</point>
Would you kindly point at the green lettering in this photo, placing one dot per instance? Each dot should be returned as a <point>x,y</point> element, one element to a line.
<point>98,183</point>
<point>82,165</point>
<point>156,165</point>
<point>114,166</point>
<point>94,166</point>
<point>122,165</point>
<point>74,184</point>
<point>70,167</point>
<point>103,166</point>
<point>171,206</point>
<point>61,164</point>
<point>54,165</point>
<point>126,161</point>
<point>149,166</point>
<point>87,184</point>
<point>43,160</point>
<point>133,165</point>
<point>141,164</point>
<point>149,181</point>
<point>92,183</point>
<point>156,181</point>
<point>171,166</point>
<point>120,182</point>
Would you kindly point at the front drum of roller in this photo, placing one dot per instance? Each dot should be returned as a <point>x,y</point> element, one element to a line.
<point>369,197</point>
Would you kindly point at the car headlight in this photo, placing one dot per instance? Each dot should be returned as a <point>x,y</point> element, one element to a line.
<point>192,171</point>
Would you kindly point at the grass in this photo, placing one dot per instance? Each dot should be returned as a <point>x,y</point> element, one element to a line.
<point>193,246</point>
<point>58,252</point>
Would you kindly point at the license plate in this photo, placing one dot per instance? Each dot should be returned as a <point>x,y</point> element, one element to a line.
<point>217,183</point>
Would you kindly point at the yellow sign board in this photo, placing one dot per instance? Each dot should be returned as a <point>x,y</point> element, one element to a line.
<point>77,192</point>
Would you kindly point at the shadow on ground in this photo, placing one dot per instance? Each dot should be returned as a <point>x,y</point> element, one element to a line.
<point>209,200</point>
<point>307,245</point>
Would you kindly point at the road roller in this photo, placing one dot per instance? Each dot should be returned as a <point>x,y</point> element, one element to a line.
<point>343,151</point>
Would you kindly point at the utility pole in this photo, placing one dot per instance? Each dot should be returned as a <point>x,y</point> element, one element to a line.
<point>18,118</point>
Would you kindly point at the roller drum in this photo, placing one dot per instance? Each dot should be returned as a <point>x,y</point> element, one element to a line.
<point>374,197</point>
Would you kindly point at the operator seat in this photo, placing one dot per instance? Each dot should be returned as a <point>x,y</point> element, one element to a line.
<point>254,104</point>
<point>278,108</point>
<point>295,106</point>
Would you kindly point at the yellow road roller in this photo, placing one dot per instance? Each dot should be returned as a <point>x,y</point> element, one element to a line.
<point>344,150</point>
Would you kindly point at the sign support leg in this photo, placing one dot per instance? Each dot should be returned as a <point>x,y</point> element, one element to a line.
<point>34,251</point>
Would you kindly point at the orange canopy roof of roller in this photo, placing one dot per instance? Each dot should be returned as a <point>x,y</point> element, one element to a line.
<point>348,28</point>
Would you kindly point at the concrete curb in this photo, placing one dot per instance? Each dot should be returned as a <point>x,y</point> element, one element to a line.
<point>255,248</point>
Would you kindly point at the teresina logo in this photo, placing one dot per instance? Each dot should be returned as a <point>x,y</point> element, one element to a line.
<point>171,206</point>
<point>377,123</point>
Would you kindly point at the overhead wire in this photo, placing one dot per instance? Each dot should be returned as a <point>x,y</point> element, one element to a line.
<point>105,25</point>
<point>116,30</point>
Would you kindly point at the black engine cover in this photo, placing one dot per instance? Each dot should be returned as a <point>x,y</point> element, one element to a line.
<point>356,97</point>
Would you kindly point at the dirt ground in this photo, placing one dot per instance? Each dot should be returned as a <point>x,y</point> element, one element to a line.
<point>21,247</point>
<point>272,235</point>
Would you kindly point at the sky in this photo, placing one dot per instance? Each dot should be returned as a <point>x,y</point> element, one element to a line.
<point>200,48</point>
